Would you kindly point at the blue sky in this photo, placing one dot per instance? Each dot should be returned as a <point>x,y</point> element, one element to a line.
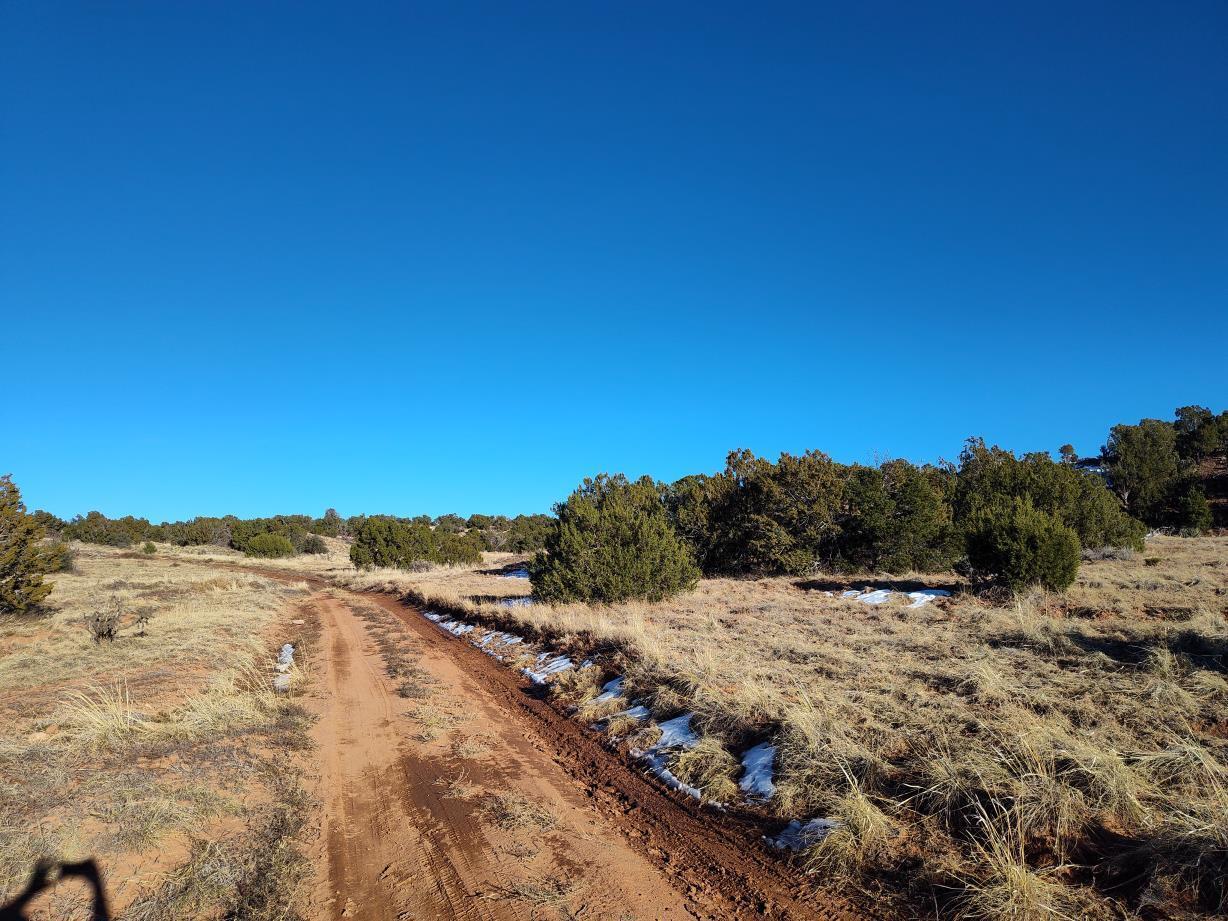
<point>408,258</point>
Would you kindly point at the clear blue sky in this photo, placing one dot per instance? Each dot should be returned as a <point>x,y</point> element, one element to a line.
<point>408,258</point>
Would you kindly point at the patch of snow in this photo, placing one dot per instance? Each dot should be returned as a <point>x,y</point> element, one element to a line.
<point>516,602</point>
<point>286,656</point>
<point>636,712</point>
<point>926,595</point>
<point>677,733</point>
<point>795,835</point>
<point>542,669</point>
<point>516,574</point>
<point>611,689</point>
<point>431,615</point>
<point>757,768</point>
<point>882,595</point>
<point>879,596</point>
<point>656,766</point>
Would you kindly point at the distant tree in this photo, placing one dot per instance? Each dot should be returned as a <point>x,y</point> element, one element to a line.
<point>1197,432</point>
<point>268,544</point>
<point>989,475</point>
<point>1192,512</point>
<point>97,528</point>
<point>25,557</point>
<point>459,549</point>
<point>314,544</point>
<point>330,525</point>
<point>613,541</point>
<point>381,541</point>
<point>1068,454</point>
<point>450,524</point>
<point>1142,463</point>
<point>1015,545</point>
<point>50,523</point>
<point>527,533</point>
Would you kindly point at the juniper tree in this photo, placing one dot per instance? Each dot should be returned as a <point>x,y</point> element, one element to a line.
<point>25,557</point>
<point>613,541</point>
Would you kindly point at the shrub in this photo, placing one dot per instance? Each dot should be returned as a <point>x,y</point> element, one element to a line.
<point>269,546</point>
<point>25,557</point>
<point>459,549</point>
<point>104,625</point>
<point>1015,545</point>
<point>149,549</point>
<point>990,476</point>
<point>896,518</point>
<point>389,542</point>
<point>1193,512</point>
<point>613,541</point>
<point>315,544</point>
<point>97,528</point>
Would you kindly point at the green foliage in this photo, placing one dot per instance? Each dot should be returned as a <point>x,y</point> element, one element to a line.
<point>769,518</point>
<point>1199,432</point>
<point>1079,499</point>
<point>613,541</point>
<point>149,549</point>
<point>1016,545</point>
<point>528,533</point>
<point>269,545</point>
<point>1193,512</point>
<point>1142,463</point>
<point>97,528</point>
<point>450,524</point>
<point>896,518</point>
<point>314,544</point>
<point>392,542</point>
<point>295,528</point>
<point>331,525</point>
<point>25,557</point>
<point>458,549</point>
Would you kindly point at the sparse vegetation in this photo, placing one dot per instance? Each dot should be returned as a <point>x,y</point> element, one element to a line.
<point>1005,736</point>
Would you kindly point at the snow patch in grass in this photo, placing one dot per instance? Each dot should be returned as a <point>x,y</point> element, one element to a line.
<point>758,765</point>
<point>611,689</point>
<point>516,602</point>
<point>544,667</point>
<point>516,574</point>
<point>882,595</point>
<point>795,835</point>
<point>677,733</point>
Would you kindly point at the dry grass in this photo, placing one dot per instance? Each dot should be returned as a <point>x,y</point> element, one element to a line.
<point>123,749</point>
<point>1095,720</point>
<point>514,811</point>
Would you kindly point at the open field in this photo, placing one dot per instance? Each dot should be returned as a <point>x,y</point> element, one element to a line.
<point>1055,756</point>
<point>1018,759</point>
<point>156,752</point>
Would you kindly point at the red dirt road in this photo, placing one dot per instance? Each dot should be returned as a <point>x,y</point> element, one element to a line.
<point>408,786</point>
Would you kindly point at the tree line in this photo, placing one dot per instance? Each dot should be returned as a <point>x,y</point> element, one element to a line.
<point>1007,521</point>
<point>286,535</point>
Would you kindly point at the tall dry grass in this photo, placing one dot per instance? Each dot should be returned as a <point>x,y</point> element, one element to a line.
<point>1055,754</point>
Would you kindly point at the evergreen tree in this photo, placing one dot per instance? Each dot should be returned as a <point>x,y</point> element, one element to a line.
<point>24,556</point>
<point>1142,463</point>
<point>1193,512</point>
<point>613,541</point>
<point>1016,546</point>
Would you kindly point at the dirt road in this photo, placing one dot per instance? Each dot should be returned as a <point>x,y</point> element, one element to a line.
<point>450,790</point>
